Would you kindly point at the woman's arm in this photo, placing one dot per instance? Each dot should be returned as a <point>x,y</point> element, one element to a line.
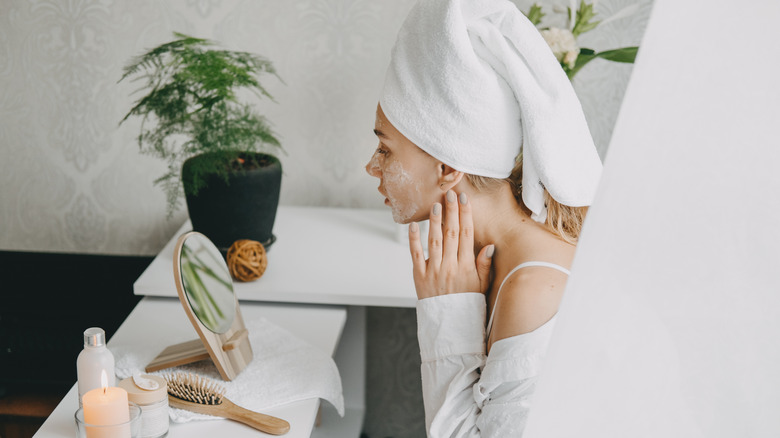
<point>451,332</point>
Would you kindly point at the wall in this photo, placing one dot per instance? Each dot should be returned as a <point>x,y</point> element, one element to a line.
<point>71,180</point>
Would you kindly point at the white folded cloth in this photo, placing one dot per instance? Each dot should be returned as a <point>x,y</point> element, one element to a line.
<point>284,369</point>
<point>472,82</point>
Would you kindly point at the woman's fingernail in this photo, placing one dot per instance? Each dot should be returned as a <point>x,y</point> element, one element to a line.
<point>464,199</point>
<point>490,250</point>
<point>413,227</point>
<point>450,196</point>
<point>436,209</point>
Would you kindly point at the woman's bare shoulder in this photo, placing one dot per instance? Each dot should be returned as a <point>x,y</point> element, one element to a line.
<point>531,295</point>
<point>529,298</point>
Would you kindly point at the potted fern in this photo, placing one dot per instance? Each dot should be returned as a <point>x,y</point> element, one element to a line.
<point>216,147</point>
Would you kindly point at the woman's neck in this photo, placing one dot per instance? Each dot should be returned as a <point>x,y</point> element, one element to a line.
<point>501,221</point>
<point>497,217</point>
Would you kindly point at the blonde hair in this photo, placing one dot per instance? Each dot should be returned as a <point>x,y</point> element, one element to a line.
<point>562,220</point>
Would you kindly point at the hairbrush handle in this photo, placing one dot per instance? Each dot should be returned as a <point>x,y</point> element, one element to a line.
<point>228,409</point>
<point>262,422</point>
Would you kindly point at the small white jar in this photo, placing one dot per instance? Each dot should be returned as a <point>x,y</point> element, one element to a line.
<point>151,394</point>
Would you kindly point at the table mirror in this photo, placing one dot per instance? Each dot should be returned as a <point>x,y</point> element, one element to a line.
<point>206,292</point>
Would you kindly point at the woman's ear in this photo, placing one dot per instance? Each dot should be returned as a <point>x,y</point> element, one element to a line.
<point>448,177</point>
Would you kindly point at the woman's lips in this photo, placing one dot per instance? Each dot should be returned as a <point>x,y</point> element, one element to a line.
<point>387,201</point>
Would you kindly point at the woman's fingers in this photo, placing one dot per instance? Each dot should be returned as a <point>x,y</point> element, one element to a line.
<point>434,236</point>
<point>451,228</point>
<point>451,266</point>
<point>466,244</point>
<point>484,260</point>
<point>416,248</point>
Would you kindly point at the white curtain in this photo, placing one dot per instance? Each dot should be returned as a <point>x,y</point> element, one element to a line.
<point>670,326</point>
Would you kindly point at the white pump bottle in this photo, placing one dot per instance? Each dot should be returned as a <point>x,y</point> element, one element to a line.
<point>93,360</point>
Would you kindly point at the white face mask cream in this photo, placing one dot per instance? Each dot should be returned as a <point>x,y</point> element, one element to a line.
<point>401,189</point>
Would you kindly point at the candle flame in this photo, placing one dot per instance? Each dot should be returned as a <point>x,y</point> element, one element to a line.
<point>104,380</point>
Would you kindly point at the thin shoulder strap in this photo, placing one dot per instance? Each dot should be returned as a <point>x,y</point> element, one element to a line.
<point>517,268</point>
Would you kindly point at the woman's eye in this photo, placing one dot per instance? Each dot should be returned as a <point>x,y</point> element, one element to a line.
<point>381,150</point>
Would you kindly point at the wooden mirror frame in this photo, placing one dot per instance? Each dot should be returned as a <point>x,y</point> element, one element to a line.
<point>231,351</point>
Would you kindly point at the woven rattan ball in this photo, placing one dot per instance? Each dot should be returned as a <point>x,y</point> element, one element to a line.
<point>246,260</point>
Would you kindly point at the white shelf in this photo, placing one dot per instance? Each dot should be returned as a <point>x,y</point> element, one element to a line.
<point>321,255</point>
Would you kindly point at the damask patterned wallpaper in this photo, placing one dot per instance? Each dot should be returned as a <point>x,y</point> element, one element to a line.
<point>71,180</point>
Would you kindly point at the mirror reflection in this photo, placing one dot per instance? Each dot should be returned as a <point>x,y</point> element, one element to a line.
<point>207,283</point>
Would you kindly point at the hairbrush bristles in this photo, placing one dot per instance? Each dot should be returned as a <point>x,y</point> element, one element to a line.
<point>194,388</point>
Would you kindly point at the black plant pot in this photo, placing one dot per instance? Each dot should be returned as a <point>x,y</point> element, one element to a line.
<point>243,208</point>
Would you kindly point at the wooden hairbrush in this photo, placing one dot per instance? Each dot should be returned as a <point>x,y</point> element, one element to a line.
<point>203,396</point>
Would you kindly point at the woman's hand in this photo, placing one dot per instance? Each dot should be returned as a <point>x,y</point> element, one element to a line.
<point>451,267</point>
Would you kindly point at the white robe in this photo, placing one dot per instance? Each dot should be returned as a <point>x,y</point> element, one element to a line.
<point>466,392</point>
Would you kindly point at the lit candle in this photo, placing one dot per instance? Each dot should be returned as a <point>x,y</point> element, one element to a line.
<point>106,406</point>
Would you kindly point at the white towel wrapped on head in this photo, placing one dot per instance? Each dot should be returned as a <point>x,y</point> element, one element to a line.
<point>472,83</point>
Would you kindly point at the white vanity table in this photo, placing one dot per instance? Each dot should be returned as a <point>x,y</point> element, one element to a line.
<point>319,325</point>
<point>326,265</point>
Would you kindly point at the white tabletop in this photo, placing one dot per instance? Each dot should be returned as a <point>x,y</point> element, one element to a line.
<point>321,255</point>
<point>321,326</point>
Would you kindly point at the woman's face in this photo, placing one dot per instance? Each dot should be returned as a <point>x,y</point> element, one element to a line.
<point>407,175</point>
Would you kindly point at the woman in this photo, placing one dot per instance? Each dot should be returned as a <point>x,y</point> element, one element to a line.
<point>481,133</point>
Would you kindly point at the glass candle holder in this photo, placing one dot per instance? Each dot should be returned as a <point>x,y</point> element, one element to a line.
<point>128,429</point>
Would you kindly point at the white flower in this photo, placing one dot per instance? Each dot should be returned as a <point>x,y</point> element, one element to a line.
<point>570,58</point>
<point>563,45</point>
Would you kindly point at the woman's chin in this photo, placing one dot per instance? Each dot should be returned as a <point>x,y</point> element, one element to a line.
<point>406,219</point>
<point>400,219</point>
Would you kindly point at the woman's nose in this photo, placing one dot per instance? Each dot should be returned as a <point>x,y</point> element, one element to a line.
<point>372,168</point>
